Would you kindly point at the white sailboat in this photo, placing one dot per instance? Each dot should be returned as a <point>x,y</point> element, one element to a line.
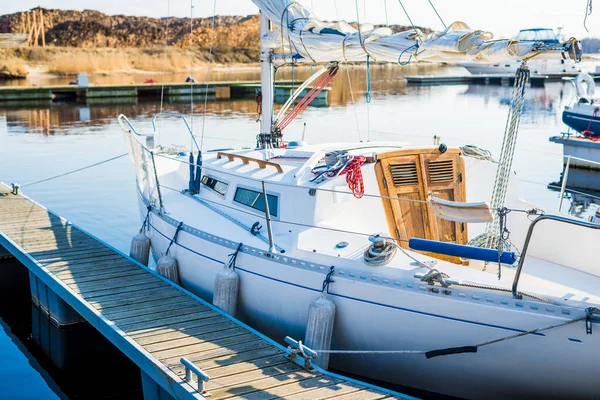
<point>346,218</point>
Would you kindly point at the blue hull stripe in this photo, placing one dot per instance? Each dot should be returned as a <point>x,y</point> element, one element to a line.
<point>352,298</point>
<point>580,122</point>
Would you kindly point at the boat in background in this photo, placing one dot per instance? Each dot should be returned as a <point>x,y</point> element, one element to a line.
<point>552,67</point>
<point>581,148</point>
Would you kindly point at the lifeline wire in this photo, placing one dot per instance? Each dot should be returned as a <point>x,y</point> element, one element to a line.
<point>440,352</point>
<point>210,52</point>
<point>76,170</point>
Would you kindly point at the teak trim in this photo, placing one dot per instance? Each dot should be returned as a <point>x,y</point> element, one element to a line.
<point>246,160</point>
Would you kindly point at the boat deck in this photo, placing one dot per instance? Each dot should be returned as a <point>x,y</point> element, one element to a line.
<point>156,323</point>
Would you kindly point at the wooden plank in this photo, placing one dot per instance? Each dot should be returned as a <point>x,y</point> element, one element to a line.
<point>196,350</point>
<point>360,395</point>
<point>265,385</point>
<point>69,277</point>
<point>45,238</point>
<point>31,222</point>
<point>218,325</point>
<point>291,386</point>
<point>122,299</point>
<point>82,264</point>
<point>44,250</point>
<point>115,283</point>
<point>231,350</point>
<point>99,269</point>
<point>176,327</point>
<point>195,339</point>
<point>74,249</point>
<point>129,320</point>
<point>47,244</point>
<point>243,379</point>
<point>150,307</point>
<point>243,356</point>
<point>77,245</point>
<point>8,219</point>
<point>39,229</point>
<point>93,257</point>
<point>325,392</point>
<point>165,321</point>
<point>121,267</point>
<point>121,290</point>
<point>275,357</point>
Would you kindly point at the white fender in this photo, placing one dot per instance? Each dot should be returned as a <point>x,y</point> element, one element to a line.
<point>590,86</point>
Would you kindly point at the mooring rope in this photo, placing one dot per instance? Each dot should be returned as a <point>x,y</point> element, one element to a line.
<point>76,170</point>
<point>471,349</point>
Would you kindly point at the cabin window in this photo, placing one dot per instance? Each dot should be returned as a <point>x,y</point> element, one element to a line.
<point>215,184</point>
<point>256,200</point>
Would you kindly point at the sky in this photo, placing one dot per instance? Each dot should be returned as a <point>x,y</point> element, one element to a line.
<point>502,17</point>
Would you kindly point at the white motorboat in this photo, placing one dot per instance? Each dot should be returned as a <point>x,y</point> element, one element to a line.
<point>552,67</point>
<point>346,221</point>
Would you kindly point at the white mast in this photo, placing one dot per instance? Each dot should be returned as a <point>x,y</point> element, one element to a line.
<point>266,81</point>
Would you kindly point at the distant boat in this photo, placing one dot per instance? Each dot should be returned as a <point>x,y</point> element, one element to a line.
<point>583,116</point>
<point>537,66</point>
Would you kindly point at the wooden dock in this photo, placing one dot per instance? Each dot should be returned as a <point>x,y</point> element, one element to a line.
<point>154,322</point>
<point>171,91</point>
<point>431,80</point>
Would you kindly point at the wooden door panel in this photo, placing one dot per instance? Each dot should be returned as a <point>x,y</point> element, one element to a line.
<point>417,174</point>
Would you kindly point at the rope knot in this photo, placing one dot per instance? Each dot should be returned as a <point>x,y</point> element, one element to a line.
<point>433,275</point>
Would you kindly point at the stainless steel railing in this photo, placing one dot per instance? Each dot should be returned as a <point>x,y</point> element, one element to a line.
<point>532,226</point>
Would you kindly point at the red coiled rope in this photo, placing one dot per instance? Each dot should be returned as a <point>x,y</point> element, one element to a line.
<point>309,97</point>
<point>354,177</point>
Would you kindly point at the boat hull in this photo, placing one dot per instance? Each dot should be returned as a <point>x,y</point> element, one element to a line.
<point>582,121</point>
<point>376,315</point>
<point>537,67</point>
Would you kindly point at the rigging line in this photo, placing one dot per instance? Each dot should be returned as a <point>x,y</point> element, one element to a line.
<point>353,101</point>
<point>210,54</point>
<point>588,12</point>
<point>436,13</point>
<point>387,22</point>
<point>337,17</point>
<point>162,89</point>
<point>191,69</point>
<point>76,170</point>
<point>410,20</point>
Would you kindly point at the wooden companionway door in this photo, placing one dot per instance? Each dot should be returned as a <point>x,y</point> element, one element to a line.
<point>415,174</point>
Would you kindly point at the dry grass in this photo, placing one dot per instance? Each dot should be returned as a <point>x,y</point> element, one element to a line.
<point>70,60</point>
<point>110,60</point>
<point>12,66</point>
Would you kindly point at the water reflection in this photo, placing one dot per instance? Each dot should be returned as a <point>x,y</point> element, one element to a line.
<point>459,114</point>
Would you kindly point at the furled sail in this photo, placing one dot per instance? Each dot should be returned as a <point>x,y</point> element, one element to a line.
<point>302,37</point>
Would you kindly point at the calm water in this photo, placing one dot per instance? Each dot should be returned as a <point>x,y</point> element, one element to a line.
<point>45,139</point>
